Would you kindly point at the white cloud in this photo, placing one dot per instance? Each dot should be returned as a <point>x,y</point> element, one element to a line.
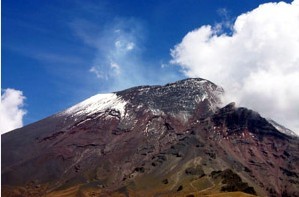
<point>97,72</point>
<point>117,60</point>
<point>11,112</point>
<point>123,45</point>
<point>119,46</point>
<point>116,68</point>
<point>257,63</point>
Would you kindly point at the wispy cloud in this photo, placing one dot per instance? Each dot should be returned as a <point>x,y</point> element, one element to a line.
<point>119,47</point>
<point>97,72</point>
<point>225,26</point>
<point>47,56</point>
<point>11,110</point>
<point>257,64</point>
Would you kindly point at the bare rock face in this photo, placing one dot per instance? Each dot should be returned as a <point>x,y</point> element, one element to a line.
<point>170,140</point>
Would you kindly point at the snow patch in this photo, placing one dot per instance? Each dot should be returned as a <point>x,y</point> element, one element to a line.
<point>156,112</point>
<point>98,103</point>
<point>281,128</point>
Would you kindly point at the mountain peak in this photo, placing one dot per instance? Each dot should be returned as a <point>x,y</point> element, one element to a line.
<point>151,140</point>
<point>181,96</point>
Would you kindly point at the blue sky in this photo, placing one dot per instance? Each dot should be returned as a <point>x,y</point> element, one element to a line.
<point>59,53</point>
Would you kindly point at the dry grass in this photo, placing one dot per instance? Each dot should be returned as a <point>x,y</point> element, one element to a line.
<point>230,194</point>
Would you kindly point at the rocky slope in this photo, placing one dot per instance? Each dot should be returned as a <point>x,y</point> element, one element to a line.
<point>168,140</point>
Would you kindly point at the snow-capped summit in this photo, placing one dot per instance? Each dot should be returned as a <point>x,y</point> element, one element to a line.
<point>97,104</point>
<point>181,98</point>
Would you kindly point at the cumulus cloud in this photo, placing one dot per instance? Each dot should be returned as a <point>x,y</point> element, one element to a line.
<point>11,111</point>
<point>257,63</point>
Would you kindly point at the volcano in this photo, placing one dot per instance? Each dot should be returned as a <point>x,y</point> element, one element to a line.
<point>171,140</point>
